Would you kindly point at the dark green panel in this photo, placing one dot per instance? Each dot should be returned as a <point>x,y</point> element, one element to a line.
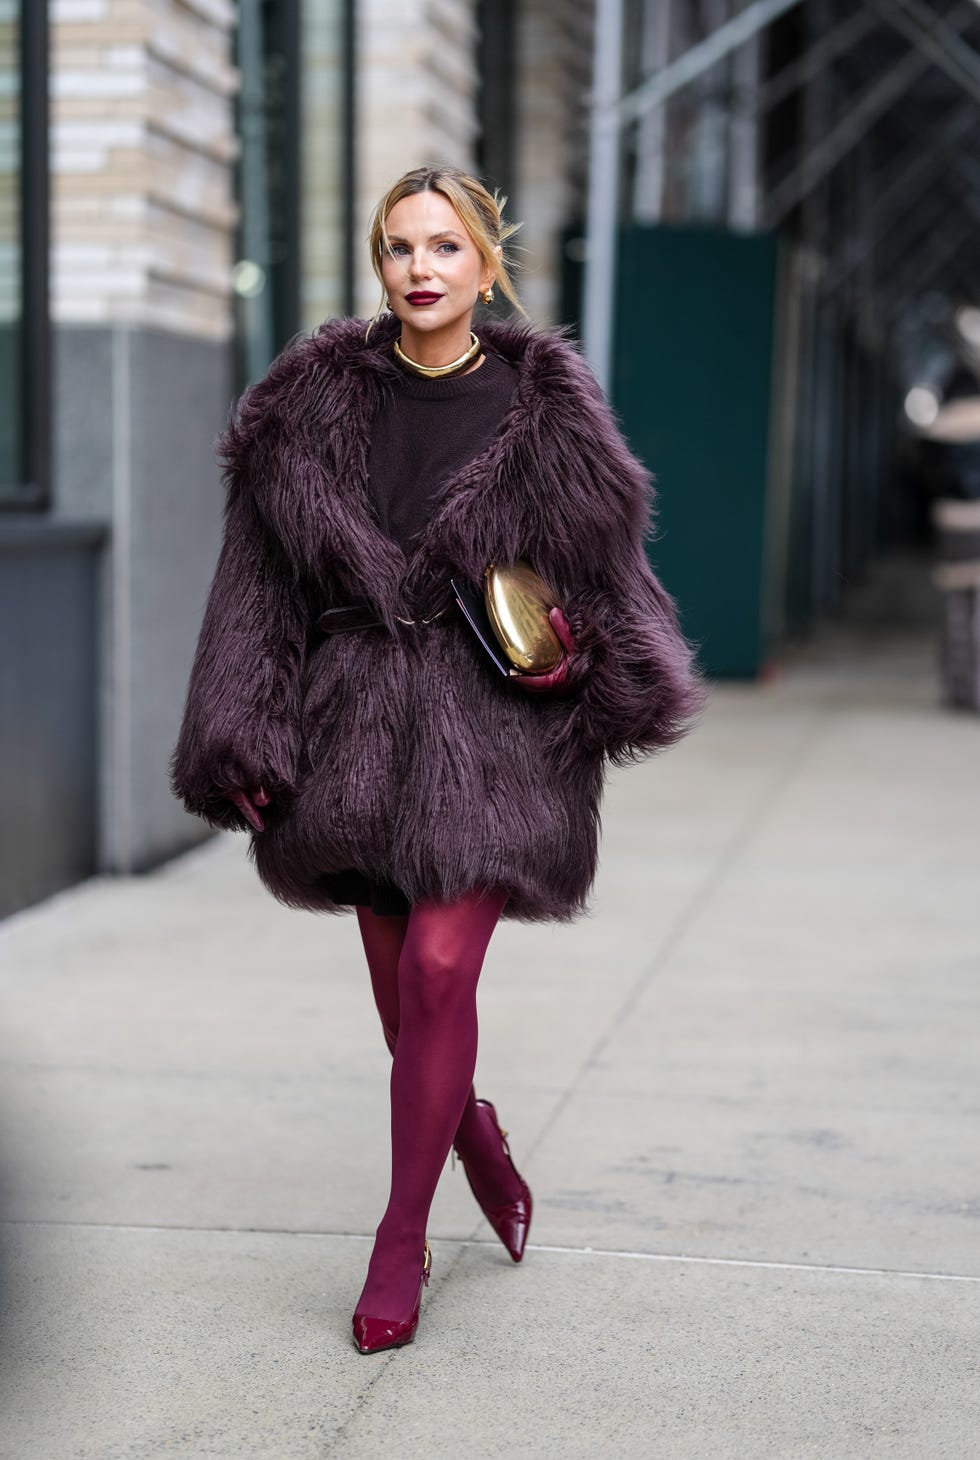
<point>692,387</point>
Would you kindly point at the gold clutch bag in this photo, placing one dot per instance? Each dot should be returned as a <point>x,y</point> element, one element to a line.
<point>517,602</point>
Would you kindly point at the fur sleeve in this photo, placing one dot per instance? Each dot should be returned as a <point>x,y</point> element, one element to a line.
<point>636,687</point>
<point>240,727</point>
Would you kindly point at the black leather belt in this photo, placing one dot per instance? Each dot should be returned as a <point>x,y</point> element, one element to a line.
<point>363,616</point>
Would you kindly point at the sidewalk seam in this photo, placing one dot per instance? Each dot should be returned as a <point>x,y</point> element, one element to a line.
<point>624,1254</point>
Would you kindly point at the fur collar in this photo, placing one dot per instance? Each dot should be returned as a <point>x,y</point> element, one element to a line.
<point>556,473</point>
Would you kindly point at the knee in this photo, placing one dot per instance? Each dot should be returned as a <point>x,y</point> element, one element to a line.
<point>435,981</point>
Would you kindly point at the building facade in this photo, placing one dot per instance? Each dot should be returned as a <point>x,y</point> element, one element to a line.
<point>143,224</point>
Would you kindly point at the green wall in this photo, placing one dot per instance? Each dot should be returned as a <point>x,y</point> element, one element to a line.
<point>691,384</point>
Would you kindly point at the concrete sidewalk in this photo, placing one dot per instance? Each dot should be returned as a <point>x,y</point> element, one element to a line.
<point>745,1093</point>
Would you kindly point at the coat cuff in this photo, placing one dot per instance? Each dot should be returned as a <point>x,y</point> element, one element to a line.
<point>204,788</point>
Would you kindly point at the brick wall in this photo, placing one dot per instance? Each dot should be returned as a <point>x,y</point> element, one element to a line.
<point>143,147</point>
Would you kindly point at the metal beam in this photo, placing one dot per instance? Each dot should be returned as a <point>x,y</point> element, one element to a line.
<point>872,102</point>
<point>936,242</point>
<point>701,57</point>
<point>602,212</point>
<point>610,112</point>
<point>958,286</point>
<point>936,230</point>
<point>961,270</point>
<point>350,134</point>
<point>744,191</point>
<point>964,166</point>
<point>957,260</point>
<point>930,34</point>
<point>896,192</point>
<point>843,37</point>
<point>651,131</point>
<point>920,225</point>
<point>968,169</point>
<point>919,273</point>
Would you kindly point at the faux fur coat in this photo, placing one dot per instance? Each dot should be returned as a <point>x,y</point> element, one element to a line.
<point>400,752</point>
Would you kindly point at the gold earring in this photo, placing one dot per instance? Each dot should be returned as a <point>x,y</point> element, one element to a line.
<point>488,295</point>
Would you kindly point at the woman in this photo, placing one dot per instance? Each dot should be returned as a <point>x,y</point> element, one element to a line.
<point>340,705</point>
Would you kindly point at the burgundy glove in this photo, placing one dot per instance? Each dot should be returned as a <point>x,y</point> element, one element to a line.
<point>555,680</point>
<point>247,803</point>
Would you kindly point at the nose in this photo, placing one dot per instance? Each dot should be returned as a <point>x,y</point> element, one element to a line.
<point>419,267</point>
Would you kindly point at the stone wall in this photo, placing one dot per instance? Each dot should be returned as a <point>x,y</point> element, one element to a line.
<point>143,228</point>
<point>142,155</point>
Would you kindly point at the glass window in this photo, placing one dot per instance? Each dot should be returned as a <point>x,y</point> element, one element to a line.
<point>293,178</point>
<point>266,242</point>
<point>12,472</point>
<point>324,220</point>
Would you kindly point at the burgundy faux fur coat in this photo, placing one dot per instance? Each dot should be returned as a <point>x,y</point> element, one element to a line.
<point>400,752</point>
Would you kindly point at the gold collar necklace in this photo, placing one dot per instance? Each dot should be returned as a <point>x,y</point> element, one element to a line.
<point>439,372</point>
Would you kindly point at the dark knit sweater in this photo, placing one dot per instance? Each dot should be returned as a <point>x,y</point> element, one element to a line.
<point>423,432</point>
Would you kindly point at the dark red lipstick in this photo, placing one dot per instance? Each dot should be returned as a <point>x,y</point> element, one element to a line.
<point>420,296</point>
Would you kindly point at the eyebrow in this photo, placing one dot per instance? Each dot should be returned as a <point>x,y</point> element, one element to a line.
<point>446,233</point>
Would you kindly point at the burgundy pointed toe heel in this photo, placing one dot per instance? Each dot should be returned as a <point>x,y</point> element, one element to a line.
<point>371,1335</point>
<point>512,1221</point>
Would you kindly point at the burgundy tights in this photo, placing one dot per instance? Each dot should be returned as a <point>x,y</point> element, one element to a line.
<point>424,972</point>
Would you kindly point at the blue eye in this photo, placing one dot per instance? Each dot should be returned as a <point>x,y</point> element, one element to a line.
<point>399,248</point>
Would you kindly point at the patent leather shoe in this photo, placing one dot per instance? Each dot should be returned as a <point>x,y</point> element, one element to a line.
<point>371,1335</point>
<point>512,1221</point>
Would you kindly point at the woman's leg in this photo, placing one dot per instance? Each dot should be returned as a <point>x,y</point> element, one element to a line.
<point>431,1077</point>
<point>489,1171</point>
<point>383,937</point>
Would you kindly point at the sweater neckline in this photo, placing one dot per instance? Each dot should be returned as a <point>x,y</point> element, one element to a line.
<point>486,376</point>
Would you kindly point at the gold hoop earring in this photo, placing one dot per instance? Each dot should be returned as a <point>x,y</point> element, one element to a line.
<point>488,295</point>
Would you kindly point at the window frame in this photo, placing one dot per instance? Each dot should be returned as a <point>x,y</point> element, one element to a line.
<point>34,493</point>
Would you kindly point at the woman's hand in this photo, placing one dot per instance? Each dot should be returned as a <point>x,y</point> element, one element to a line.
<point>555,680</point>
<point>248,803</point>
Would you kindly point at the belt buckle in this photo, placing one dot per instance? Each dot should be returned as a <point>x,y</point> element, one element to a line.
<point>417,622</point>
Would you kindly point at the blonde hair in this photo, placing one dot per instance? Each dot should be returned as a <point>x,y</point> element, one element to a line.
<point>480,213</point>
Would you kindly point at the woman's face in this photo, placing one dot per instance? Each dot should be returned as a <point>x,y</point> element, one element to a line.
<point>432,258</point>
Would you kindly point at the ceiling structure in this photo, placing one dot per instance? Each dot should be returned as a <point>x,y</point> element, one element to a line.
<point>863,142</point>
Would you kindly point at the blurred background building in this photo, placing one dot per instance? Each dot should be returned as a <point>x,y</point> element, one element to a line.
<point>761,215</point>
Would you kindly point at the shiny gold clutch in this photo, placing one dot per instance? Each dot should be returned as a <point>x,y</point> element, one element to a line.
<point>517,601</point>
